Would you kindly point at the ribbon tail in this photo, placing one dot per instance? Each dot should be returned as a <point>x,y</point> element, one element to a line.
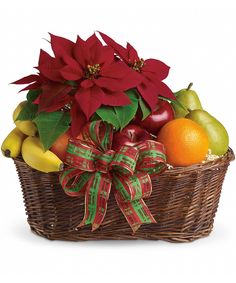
<point>96,197</point>
<point>136,212</point>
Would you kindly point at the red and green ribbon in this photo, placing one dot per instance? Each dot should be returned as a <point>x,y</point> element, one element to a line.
<point>94,169</point>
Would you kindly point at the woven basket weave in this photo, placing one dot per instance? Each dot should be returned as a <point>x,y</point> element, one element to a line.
<point>183,201</point>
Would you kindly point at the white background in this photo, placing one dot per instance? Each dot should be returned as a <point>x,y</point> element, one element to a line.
<point>195,38</point>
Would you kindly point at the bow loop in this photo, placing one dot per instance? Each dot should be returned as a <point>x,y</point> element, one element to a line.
<point>152,158</point>
<point>81,155</point>
<point>74,181</point>
<point>99,134</point>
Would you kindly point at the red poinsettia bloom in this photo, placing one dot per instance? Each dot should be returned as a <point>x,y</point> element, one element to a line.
<point>101,79</point>
<point>82,75</point>
<point>151,72</point>
<point>54,93</point>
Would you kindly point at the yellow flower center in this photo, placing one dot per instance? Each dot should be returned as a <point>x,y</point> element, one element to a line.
<point>138,64</point>
<point>92,71</point>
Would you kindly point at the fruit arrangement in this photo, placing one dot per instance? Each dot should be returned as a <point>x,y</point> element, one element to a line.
<point>105,120</point>
<point>88,80</point>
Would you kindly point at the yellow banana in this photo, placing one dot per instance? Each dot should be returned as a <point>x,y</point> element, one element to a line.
<point>11,146</point>
<point>27,127</point>
<point>34,155</point>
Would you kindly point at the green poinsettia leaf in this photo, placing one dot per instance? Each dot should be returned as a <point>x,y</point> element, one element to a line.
<point>126,113</point>
<point>51,125</point>
<point>108,114</point>
<point>28,112</point>
<point>120,116</point>
<point>95,117</point>
<point>146,111</point>
<point>32,95</point>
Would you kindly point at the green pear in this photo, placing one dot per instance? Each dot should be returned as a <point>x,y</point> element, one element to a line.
<point>217,134</point>
<point>189,100</point>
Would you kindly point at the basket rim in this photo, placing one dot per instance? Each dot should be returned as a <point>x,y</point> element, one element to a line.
<point>226,158</point>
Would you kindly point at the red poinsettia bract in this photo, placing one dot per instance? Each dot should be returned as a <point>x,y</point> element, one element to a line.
<point>151,72</point>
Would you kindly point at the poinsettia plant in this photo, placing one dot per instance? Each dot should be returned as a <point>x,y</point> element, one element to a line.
<point>87,80</point>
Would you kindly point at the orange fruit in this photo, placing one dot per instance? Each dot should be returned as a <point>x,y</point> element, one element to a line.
<point>60,145</point>
<point>185,141</point>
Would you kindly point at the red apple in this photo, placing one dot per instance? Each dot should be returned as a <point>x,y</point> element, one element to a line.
<point>131,136</point>
<point>163,114</point>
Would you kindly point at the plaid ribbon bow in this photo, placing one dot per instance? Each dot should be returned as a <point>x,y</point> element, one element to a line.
<point>94,168</point>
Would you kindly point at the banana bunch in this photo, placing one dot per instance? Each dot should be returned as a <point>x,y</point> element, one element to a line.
<point>22,140</point>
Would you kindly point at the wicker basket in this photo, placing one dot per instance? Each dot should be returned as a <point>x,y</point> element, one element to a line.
<point>184,202</point>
